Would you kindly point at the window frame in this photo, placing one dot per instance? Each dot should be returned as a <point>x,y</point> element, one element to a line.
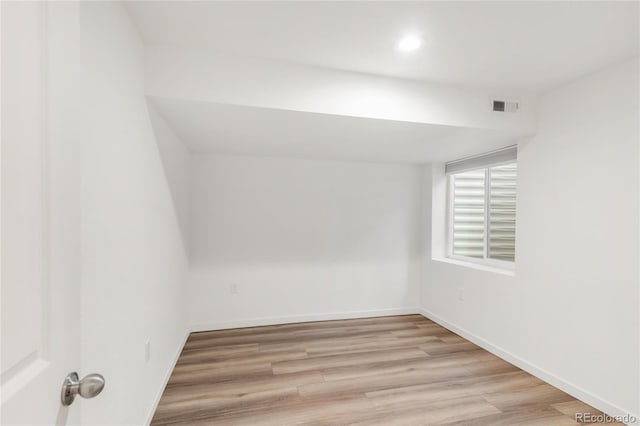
<point>486,261</point>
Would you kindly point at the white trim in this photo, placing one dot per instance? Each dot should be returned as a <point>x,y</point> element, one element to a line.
<point>504,155</point>
<point>481,266</point>
<point>449,214</point>
<point>256,322</point>
<point>573,390</point>
<point>490,263</point>
<point>167,375</point>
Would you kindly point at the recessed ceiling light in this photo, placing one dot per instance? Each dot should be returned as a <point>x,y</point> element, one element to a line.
<point>409,43</point>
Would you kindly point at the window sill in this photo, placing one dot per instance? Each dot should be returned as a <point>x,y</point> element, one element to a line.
<point>478,266</point>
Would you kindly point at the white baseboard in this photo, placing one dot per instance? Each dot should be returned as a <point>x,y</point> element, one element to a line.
<point>256,322</point>
<point>573,390</point>
<point>167,375</point>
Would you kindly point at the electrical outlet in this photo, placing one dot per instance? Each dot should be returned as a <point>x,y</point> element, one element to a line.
<point>147,350</point>
<point>233,288</point>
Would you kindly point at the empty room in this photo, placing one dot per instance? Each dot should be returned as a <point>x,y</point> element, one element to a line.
<point>320,213</point>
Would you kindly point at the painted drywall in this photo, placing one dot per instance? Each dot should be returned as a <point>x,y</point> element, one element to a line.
<point>176,159</point>
<point>301,239</point>
<point>202,75</point>
<point>240,130</point>
<point>570,312</point>
<point>133,259</point>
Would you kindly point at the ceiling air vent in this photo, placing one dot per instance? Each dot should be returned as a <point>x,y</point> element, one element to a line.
<point>501,105</point>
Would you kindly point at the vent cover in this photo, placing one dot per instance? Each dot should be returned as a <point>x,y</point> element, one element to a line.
<point>501,105</point>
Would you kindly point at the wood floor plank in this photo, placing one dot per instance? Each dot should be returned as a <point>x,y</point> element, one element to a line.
<point>345,360</point>
<point>440,347</point>
<point>208,406</point>
<point>452,339</point>
<point>389,367</point>
<point>537,416</point>
<point>542,394</point>
<point>433,413</point>
<point>368,371</point>
<point>407,378</point>
<point>282,336</point>
<point>574,407</point>
<point>190,374</point>
<point>309,411</point>
<point>326,344</point>
<point>240,387</point>
<point>194,345</point>
<point>452,389</point>
<point>369,345</point>
<point>217,361</point>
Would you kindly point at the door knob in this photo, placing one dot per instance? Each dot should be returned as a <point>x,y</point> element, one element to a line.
<point>90,386</point>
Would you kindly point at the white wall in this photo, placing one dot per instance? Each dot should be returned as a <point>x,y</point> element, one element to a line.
<point>301,240</point>
<point>570,313</point>
<point>176,161</point>
<point>134,263</point>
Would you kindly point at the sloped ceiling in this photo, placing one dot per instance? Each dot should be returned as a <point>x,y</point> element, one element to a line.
<point>241,130</point>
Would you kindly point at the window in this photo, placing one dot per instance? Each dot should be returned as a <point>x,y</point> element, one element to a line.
<point>482,208</point>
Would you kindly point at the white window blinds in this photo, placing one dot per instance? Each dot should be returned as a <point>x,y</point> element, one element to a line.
<point>468,214</point>
<point>502,212</point>
<point>483,208</point>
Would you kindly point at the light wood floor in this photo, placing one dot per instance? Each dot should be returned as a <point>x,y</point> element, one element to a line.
<point>375,371</point>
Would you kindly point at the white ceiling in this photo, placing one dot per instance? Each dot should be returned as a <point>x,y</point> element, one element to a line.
<point>242,130</point>
<point>526,46</point>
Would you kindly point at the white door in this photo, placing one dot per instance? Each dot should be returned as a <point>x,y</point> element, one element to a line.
<point>40,231</point>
